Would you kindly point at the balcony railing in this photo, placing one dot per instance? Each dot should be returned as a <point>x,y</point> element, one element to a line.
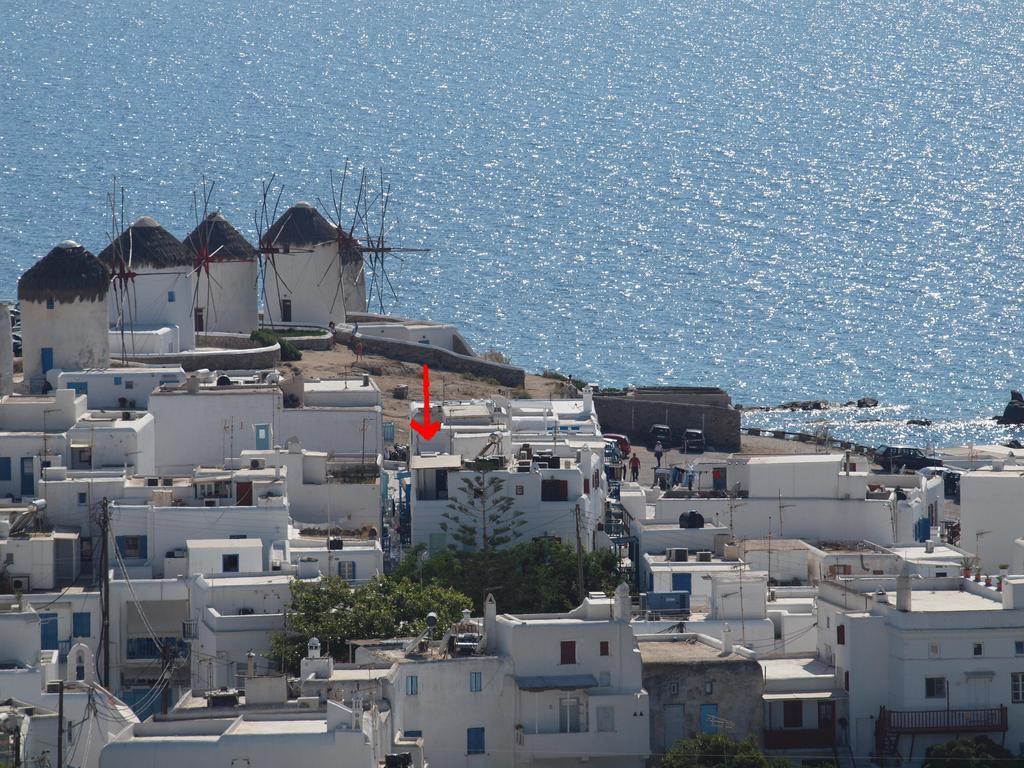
<point>944,720</point>
<point>800,738</point>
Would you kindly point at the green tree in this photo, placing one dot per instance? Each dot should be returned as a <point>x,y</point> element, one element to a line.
<point>536,576</point>
<point>979,752</point>
<point>480,516</point>
<point>716,750</point>
<point>384,607</point>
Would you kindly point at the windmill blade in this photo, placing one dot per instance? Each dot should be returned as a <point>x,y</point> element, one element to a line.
<point>337,290</point>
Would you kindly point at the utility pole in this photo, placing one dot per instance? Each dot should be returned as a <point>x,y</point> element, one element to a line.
<point>60,724</point>
<point>782,507</point>
<point>105,587</point>
<point>579,559</point>
<point>165,697</point>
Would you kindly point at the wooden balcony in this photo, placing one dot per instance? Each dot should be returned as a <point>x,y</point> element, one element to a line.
<point>944,720</point>
<point>800,738</point>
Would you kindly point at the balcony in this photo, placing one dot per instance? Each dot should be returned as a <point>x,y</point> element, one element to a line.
<point>944,721</point>
<point>800,738</point>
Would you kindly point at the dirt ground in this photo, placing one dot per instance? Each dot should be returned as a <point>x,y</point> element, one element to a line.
<point>389,374</point>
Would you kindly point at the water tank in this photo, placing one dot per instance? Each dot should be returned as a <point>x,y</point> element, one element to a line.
<point>691,519</point>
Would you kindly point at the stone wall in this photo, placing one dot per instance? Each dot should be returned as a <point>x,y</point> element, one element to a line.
<point>252,358</point>
<point>436,357</point>
<point>633,416</point>
<point>736,687</point>
<point>692,395</point>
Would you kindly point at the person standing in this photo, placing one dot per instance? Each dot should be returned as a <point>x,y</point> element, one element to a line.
<point>634,467</point>
<point>359,350</point>
<point>658,451</point>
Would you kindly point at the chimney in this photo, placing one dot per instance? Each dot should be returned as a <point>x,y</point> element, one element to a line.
<point>621,603</point>
<point>366,379</point>
<point>251,670</point>
<point>588,401</point>
<point>192,385</point>
<point>490,621</point>
<point>313,648</point>
<point>929,546</point>
<point>726,640</point>
<point>903,590</point>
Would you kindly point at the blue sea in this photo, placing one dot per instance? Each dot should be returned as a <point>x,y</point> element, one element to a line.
<point>789,199</point>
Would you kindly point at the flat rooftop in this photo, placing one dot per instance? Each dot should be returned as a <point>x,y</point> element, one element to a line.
<point>685,649</point>
<point>806,669</point>
<point>949,601</point>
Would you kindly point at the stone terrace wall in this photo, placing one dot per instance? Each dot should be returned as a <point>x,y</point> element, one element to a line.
<point>691,395</point>
<point>252,358</point>
<point>436,357</point>
<point>634,416</point>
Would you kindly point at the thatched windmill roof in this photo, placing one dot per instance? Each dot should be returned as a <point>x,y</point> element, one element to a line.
<point>67,273</point>
<point>301,224</point>
<point>223,241</point>
<point>151,247</point>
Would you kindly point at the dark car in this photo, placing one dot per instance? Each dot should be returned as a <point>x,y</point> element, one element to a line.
<point>621,440</point>
<point>894,458</point>
<point>693,441</point>
<point>660,433</point>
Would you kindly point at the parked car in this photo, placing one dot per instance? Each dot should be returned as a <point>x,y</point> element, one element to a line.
<point>693,441</point>
<point>625,448</point>
<point>893,458</point>
<point>660,433</point>
<point>611,450</point>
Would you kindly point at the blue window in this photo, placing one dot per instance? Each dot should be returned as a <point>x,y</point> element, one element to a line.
<point>475,682</point>
<point>46,358</point>
<point>475,741</point>
<point>413,734</point>
<point>132,547</point>
<point>117,381</point>
<point>170,297</point>
<point>82,498</point>
<point>5,469</point>
<point>81,624</point>
<point>49,303</point>
<point>229,563</point>
<point>412,685</point>
<point>79,387</point>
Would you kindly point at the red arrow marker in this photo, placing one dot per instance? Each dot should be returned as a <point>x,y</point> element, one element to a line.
<point>428,428</point>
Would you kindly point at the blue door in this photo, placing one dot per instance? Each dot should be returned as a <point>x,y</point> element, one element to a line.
<point>47,358</point>
<point>262,436</point>
<point>709,718</point>
<point>48,631</point>
<point>681,582</point>
<point>28,476</point>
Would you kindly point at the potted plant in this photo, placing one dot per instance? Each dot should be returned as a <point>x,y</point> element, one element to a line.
<point>965,563</point>
<point>988,581</point>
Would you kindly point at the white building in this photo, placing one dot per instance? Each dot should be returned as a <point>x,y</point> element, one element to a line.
<point>153,288</point>
<point>58,431</point>
<point>314,272</point>
<point>31,674</point>
<point>343,492</point>
<point>231,616</point>
<point>547,458</point>
<point>815,497</point>
<point>990,513</point>
<point>6,351</point>
<point>208,424</point>
<point>265,735</point>
<point>117,388</point>
<point>549,689</point>
<point>63,313</point>
<point>226,278</point>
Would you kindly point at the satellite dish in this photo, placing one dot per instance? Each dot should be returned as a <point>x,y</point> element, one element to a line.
<point>431,619</point>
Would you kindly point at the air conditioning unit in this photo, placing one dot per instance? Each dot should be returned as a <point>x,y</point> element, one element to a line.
<point>246,611</point>
<point>677,555</point>
<point>168,481</point>
<point>704,557</point>
<point>258,464</point>
<point>209,502</point>
<point>152,481</point>
<point>20,583</point>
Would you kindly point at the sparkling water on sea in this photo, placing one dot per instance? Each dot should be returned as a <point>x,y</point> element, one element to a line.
<point>790,199</point>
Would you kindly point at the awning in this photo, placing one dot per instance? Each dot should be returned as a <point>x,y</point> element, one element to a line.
<point>443,461</point>
<point>805,695</point>
<point>555,682</point>
<point>80,445</point>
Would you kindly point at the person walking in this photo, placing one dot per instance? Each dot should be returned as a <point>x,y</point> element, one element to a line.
<point>658,452</point>
<point>634,467</point>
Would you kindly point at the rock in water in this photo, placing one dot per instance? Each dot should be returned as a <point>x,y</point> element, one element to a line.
<point>1013,413</point>
<point>867,402</point>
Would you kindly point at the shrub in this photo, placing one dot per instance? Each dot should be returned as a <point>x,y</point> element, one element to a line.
<point>289,352</point>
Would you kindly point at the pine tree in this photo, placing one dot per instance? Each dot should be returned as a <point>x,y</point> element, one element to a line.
<point>481,516</point>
